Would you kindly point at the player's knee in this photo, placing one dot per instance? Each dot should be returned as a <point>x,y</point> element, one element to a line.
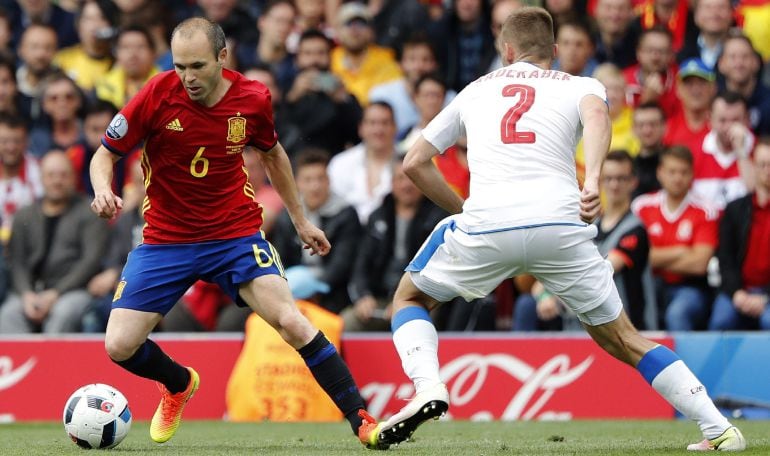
<point>119,348</point>
<point>294,327</point>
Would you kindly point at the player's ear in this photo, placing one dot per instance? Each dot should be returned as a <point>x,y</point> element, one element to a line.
<point>222,57</point>
<point>555,51</point>
<point>507,54</point>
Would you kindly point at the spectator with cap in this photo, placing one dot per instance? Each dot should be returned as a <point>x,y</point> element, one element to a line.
<point>695,88</point>
<point>357,61</point>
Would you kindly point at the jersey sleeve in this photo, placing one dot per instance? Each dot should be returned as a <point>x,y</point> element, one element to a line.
<point>590,86</point>
<point>633,247</point>
<point>706,232</point>
<point>133,123</point>
<point>443,131</point>
<point>264,137</point>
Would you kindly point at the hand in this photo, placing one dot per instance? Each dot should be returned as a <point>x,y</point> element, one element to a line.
<point>364,308</point>
<point>106,204</point>
<point>755,305</point>
<point>313,238</point>
<point>737,134</point>
<point>652,88</point>
<point>31,308</point>
<point>103,283</point>
<point>590,204</point>
<point>548,308</point>
<point>303,83</point>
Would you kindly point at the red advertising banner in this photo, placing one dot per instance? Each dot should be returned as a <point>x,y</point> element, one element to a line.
<point>489,377</point>
<point>38,375</point>
<point>511,378</point>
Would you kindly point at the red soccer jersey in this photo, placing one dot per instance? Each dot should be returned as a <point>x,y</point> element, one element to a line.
<point>679,133</point>
<point>197,187</point>
<point>695,222</point>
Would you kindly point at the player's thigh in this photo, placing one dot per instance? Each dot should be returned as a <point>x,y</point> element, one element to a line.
<point>566,261</point>
<point>155,277</point>
<point>269,296</point>
<point>235,262</point>
<point>453,263</point>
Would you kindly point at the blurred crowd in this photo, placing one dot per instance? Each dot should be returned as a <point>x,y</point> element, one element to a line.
<point>686,186</point>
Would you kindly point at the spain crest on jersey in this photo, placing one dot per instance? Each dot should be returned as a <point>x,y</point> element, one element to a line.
<point>236,129</point>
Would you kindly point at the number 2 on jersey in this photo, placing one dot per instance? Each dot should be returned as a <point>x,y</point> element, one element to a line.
<point>508,132</point>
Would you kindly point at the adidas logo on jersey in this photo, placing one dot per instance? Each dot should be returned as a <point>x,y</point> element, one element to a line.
<point>174,125</point>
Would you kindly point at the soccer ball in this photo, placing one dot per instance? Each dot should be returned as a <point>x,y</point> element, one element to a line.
<point>97,416</point>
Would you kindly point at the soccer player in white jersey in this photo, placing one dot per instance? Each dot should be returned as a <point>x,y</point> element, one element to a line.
<point>525,214</point>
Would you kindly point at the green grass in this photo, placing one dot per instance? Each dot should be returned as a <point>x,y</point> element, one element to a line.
<point>433,439</point>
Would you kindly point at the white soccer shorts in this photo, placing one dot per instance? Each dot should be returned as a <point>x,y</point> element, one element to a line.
<point>562,257</point>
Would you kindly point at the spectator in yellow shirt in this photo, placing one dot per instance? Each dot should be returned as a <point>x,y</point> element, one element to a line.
<point>86,62</point>
<point>358,62</point>
<point>135,65</point>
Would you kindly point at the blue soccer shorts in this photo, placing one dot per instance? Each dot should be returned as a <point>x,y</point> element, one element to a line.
<point>157,275</point>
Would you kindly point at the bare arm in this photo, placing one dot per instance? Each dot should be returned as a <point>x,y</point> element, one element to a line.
<point>597,132</point>
<point>663,257</point>
<point>106,204</point>
<point>694,262</point>
<point>278,169</point>
<point>418,165</point>
<point>617,261</point>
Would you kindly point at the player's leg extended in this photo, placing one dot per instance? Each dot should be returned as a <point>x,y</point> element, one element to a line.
<point>152,281</point>
<point>127,345</point>
<point>269,296</point>
<point>667,374</point>
<point>416,342</point>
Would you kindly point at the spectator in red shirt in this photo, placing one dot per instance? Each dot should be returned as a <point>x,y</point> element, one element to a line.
<point>744,255</point>
<point>683,237</point>
<point>695,89</point>
<point>653,79</point>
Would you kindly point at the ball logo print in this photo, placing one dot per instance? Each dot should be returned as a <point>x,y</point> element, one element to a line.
<point>97,416</point>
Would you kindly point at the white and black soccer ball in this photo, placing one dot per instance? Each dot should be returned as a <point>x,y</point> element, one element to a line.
<point>97,416</point>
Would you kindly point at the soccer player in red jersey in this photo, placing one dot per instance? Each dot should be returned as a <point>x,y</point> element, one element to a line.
<point>202,222</point>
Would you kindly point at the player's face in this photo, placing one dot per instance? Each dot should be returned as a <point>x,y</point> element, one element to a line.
<point>313,185</point>
<point>197,67</point>
<point>675,176</point>
<point>618,181</point>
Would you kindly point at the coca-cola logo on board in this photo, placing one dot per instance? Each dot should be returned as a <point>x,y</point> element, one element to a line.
<point>466,376</point>
<point>10,376</point>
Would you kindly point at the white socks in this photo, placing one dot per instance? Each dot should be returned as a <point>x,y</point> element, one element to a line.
<point>417,344</point>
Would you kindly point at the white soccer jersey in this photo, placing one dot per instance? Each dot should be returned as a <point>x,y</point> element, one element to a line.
<point>522,125</point>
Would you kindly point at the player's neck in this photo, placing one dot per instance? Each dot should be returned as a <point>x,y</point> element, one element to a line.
<point>218,93</point>
<point>542,64</point>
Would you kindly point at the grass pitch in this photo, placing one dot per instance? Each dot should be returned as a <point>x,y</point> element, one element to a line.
<point>442,438</point>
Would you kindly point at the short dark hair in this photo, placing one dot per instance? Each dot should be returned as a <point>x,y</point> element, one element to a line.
<point>581,25</point>
<point>417,39</point>
<point>311,156</point>
<point>660,29</point>
<point>621,156</point>
<point>435,77</point>
<point>315,34</point>
<point>678,152</point>
<point>730,98</point>
<point>382,104</point>
<point>137,28</point>
<point>99,106</point>
<point>13,121</point>
<point>652,106</point>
